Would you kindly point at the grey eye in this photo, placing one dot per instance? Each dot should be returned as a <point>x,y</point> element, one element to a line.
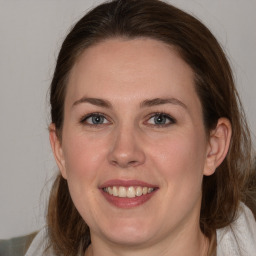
<point>161,119</point>
<point>96,119</point>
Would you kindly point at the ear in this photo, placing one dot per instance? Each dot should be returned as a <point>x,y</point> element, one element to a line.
<point>218,145</point>
<point>57,150</point>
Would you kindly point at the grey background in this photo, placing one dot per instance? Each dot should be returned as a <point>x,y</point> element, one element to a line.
<point>31,32</point>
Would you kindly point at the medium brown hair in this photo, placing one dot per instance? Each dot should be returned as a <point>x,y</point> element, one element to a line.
<point>130,19</point>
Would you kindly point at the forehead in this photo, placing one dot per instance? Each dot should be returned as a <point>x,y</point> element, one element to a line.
<point>125,69</point>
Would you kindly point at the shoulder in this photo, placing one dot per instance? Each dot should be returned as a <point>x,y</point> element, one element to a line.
<point>239,238</point>
<point>39,245</point>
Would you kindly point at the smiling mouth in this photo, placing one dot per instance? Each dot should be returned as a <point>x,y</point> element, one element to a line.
<point>129,192</point>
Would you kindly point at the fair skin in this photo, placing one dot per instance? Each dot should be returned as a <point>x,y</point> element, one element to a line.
<point>132,118</point>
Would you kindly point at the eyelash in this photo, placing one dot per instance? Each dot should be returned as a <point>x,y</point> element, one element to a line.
<point>163,114</point>
<point>94,114</point>
<point>155,114</point>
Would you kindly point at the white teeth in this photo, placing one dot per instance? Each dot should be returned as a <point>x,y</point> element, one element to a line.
<point>150,190</point>
<point>115,191</point>
<point>110,190</point>
<point>122,192</point>
<point>145,190</point>
<point>129,192</point>
<point>138,191</point>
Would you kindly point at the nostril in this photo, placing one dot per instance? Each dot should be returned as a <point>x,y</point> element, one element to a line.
<point>132,163</point>
<point>124,164</point>
<point>113,162</point>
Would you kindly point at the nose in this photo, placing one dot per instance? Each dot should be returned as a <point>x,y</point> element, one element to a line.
<point>126,149</point>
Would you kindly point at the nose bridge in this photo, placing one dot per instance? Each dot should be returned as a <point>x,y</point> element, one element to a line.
<point>126,149</point>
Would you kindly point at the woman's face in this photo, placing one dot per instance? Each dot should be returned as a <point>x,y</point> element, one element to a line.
<point>134,148</point>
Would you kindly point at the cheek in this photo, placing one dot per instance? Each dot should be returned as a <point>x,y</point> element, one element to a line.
<point>181,159</point>
<point>84,158</point>
<point>83,155</point>
<point>182,169</point>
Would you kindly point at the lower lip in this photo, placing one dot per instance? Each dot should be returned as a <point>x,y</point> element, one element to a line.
<point>126,202</point>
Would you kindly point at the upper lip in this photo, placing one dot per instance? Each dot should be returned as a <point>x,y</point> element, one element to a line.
<point>126,183</point>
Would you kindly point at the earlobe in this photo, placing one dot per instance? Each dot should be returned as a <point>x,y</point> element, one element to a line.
<point>218,145</point>
<point>57,150</point>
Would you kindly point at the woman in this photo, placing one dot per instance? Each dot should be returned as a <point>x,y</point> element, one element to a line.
<point>150,139</point>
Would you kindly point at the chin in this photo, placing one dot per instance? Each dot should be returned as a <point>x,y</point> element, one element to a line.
<point>132,233</point>
<point>128,238</point>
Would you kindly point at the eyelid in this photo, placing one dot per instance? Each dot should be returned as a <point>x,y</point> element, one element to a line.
<point>86,116</point>
<point>171,119</point>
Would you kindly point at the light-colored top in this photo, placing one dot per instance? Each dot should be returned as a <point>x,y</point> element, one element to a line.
<point>237,239</point>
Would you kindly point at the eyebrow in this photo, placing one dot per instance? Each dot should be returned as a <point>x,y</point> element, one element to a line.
<point>161,101</point>
<point>146,103</point>
<point>93,101</point>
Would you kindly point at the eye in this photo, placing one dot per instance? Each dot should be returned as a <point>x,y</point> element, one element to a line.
<point>161,119</point>
<point>94,119</point>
